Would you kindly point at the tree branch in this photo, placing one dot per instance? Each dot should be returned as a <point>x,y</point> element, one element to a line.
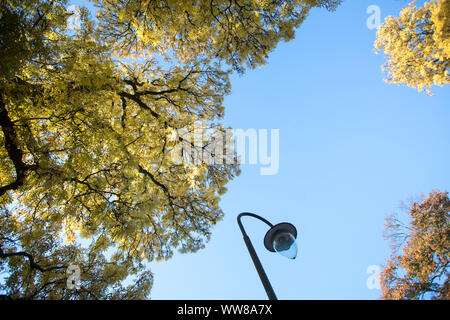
<point>14,152</point>
<point>33,264</point>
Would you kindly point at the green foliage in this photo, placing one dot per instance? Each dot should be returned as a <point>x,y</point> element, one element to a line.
<point>241,33</point>
<point>417,45</point>
<point>36,261</point>
<point>86,134</point>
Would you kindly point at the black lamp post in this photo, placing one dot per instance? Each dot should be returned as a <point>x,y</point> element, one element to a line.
<point>280,238</point>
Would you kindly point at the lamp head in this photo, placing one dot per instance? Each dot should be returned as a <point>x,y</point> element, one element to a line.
<point>281,238</point>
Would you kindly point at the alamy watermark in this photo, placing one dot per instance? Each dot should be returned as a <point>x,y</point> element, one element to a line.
<point>373,281</point>
<point>74,20</point>
<point>201,144</point>
<point>374,20</point>
<point>73,281</point>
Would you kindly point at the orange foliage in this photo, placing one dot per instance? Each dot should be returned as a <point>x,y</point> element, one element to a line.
<point>421,270</point>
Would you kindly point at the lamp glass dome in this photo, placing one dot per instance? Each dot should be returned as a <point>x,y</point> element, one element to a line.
<point>284,243</point>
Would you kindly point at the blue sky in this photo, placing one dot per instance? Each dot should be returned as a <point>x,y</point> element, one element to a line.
<point>351,149</point>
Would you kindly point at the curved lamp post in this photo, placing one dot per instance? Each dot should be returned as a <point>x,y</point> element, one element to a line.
<point>280,238</point>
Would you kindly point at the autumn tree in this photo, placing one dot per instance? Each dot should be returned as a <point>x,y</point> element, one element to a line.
<point>417,45</point>
<point>87,119</point>
<point>240,33</point>
<point>36,262</point>
<point>419,265</point>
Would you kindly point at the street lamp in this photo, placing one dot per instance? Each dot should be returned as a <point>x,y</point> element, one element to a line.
<point>280,238</point>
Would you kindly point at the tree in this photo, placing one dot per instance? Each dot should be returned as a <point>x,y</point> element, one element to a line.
<point>36,262</point>
<point>417,45</point>
<point>239,32</point>
<point>87,121</point>
<point>422,269</point>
